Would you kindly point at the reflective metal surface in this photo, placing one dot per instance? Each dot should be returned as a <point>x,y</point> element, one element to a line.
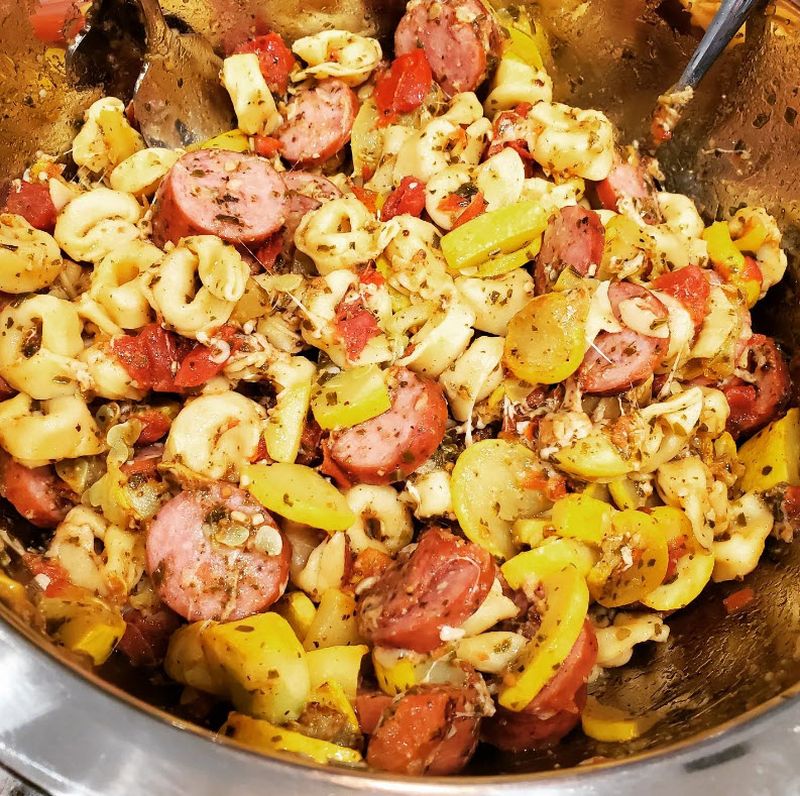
<point>723,686</point>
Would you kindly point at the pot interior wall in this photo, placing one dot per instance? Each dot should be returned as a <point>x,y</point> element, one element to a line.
<point>739,145</point>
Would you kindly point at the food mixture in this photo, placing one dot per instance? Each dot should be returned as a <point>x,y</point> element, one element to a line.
<point>388,421</point>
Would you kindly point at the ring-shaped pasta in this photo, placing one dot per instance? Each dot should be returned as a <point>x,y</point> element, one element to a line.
<point>115,283</point>
<point>340,234</point>
<point>501,178</point>
<point>338,53</point>
<point>496,300</point>
<point>40,433</point>
<point>516,82</point>
<point>441,340</point>
<point>29,258</point>
<point>216,435</point>
<point>113,571</point>
<point>171,289</point>
<point>96,223</point>
<point>572,142</point>
<point>473,376</point>
<point>439,188</point>
<point>383,520</point>
<point>108,375</point>
<point>106,137</point>
<point>40,340</point>
<point>141,173</point>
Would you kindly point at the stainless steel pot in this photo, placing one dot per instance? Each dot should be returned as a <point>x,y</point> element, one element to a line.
<point>724,687</point>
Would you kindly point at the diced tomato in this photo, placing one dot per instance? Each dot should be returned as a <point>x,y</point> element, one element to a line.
<point>554,486</point>
<point>151,357</point>
<point>32,201</point>
<point>677,549</point>
<point>274,58</point>
<point>58,576</point>
<point>404,86</point>
<point>266,146</point>
<point>310,443</point>
<point>261,454</point>
<point>690,286</point>
<point>371,276</point>
<point>356,325</point>
<point>369,563</point>
<point>56,21</point>
<point>407,198</point>
<point>523,109</point>
<point>476,208</point>
<point>270,250</point>
<point>147,635</point>
<point>738,600</point>
<point>145,461</point>
<point>200,364</point>
<point>155,424</point>
<point>791,507</point>
<point>367,198</point>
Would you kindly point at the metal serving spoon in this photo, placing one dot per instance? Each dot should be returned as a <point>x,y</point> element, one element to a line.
<point>178,99</point>
<point>728,20</point>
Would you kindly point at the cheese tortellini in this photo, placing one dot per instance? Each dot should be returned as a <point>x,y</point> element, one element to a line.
<point>252,100</point>
<point>341,233</point>
<point>106,138</point>
<point>216,435</point>
<point>115,283</point>
<point>141,173</point>
<point>572,142</point>
<point>38,433</point>
<point>171,285</point>
<point>113,571</point>
<point>29,258</point>
<point>96,223</point>
<point>40,341</point>
<point>338,53</point>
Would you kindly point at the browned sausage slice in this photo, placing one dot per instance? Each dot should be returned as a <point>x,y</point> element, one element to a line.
<point>392,445</point>
<point>36,493</point>
<point>441,582</point>
<point>556,708</point>
<point>574,239</point>
<point>619,361</point>
<point>628,181</point>
<point>456,35</point>
<point>237,196</point>
<point>213,554</point>
<point>318,122</point>
<point>429,730</point>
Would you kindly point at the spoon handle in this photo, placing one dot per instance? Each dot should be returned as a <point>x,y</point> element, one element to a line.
<point>730,17</point>
<point>155,25</point>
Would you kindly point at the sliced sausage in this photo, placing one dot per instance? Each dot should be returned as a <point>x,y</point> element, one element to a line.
<point>442,581</point>
<point>306,192</point>
<point>392,445</point>
<point>369,707</point>
<point>457,37</point>
<point>555,710</point>
<point>37,493</point>
<point>628,181</point>
<point>237,196</point>
<point>753,405</point>
<point>520,732</point>
<point>213,554</point>
<point>574,239</point>
<point>318,122</point>
<point>430,729</point>
<point>619,361</point>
